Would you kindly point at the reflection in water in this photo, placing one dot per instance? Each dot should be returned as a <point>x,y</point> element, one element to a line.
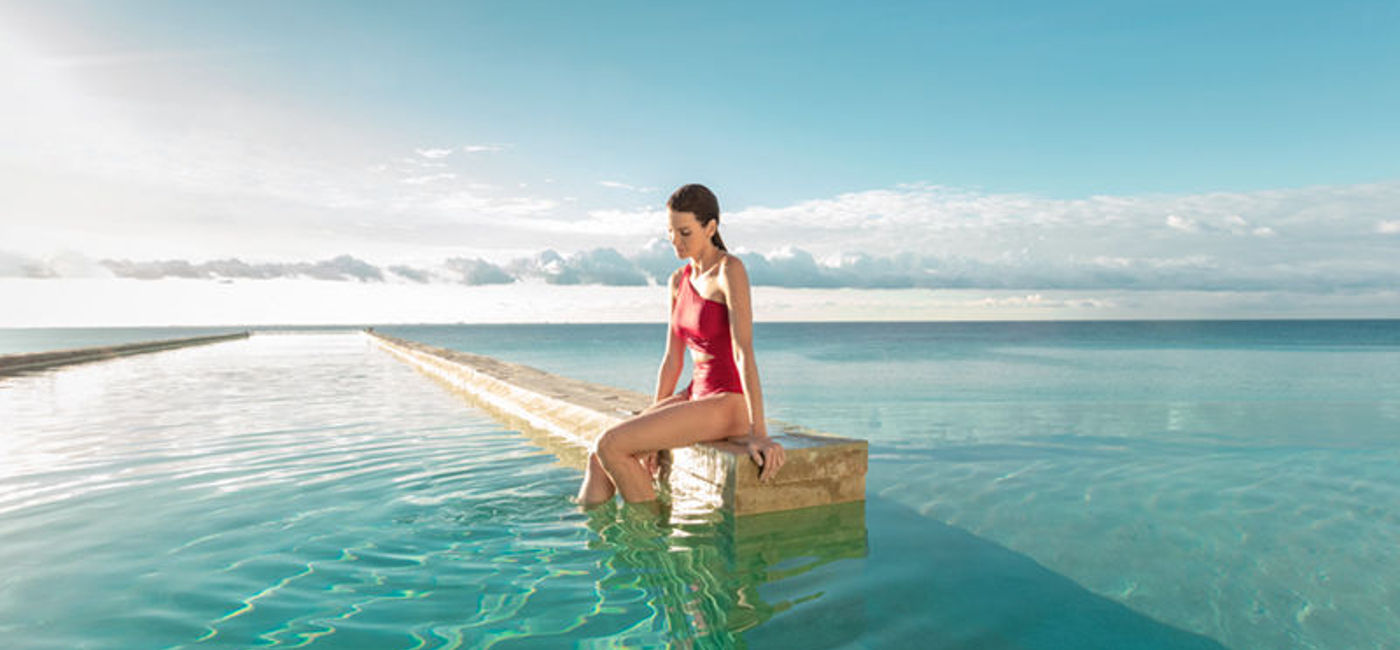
<point>709,576</point>
<point>809,578</point>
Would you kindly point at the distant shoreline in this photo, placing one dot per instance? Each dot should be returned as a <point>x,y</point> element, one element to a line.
<point>274,327</point>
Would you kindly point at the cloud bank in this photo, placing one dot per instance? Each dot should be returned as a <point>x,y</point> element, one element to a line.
<point>790,267</point>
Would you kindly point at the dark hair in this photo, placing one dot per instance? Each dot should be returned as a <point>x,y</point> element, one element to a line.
<point>700,201</point>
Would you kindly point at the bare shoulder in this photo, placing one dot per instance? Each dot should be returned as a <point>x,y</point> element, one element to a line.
<point>676,279</point>
<point>732,271</point>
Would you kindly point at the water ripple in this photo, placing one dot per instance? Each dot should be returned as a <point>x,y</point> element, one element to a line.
<point>280,491</point>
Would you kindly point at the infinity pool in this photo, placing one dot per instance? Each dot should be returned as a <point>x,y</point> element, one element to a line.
<point>310,490</point>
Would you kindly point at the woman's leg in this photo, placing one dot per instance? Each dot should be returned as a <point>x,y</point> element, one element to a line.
<point>678,398</point>
<point>597,486</point>
<point>676,425</point>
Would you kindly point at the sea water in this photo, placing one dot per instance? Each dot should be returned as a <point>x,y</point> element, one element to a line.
<point>1038,485</point>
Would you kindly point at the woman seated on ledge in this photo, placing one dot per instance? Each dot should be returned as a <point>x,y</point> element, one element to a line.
<point>710,314</point>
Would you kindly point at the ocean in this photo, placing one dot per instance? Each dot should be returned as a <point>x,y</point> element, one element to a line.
<point>1151,484</point>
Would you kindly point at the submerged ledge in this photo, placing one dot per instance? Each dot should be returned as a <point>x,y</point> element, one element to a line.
<point>14,363</point>
<point>821,469</point>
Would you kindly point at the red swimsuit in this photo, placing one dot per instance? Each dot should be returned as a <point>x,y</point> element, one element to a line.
<point>704,325</point>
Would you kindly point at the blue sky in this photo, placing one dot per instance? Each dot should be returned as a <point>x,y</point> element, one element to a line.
<point>1061,99</point>
<point>1238,140</point>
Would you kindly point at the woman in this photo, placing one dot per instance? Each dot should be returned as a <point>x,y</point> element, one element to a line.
<point>710,314</point>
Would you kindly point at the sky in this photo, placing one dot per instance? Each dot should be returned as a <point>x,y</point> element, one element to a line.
<point>946,160</point>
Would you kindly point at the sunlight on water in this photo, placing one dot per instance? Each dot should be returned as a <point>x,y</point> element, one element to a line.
<point>295,489</point>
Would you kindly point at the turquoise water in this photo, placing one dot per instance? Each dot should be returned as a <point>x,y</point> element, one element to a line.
<point>22,340</point>
<point>1032,485</point>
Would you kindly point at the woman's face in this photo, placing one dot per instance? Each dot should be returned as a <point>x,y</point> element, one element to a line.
<point>687,235</point>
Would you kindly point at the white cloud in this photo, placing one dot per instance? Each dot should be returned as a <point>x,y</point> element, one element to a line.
<point>1039,301</point>
<point>469,206</point>
<point>950,221</point>
<point>1184,225</point>
<point>601,266</point>
<point>617,185</point>
<point>1236,224</point>
<point>63,264</point>
<point>1388,227</point>
<point>412,165</point>
<point>605,224</point>
<point>485,148</point>
<point>434,153</point>
<point>431,178</point>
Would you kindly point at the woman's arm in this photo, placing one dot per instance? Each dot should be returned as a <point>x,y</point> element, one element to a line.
<point>674,360</point>
<point>734,281</point>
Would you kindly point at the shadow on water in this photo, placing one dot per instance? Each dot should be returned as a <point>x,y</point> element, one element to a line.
<point>813,579</point>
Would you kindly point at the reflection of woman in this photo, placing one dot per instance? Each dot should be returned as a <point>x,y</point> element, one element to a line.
<point>687,578</point>
<point>711,314</point>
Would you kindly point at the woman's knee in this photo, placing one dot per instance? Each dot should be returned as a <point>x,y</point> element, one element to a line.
<point>608,445</point>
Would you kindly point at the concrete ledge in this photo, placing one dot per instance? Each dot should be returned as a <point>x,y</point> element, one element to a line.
<point>821,469</point>
<point>14,363</point>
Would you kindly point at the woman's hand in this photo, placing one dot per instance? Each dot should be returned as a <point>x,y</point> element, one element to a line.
<point>766,453</point>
